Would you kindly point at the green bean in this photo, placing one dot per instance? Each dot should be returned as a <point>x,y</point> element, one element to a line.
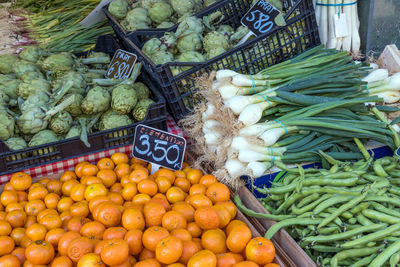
<point>329,181</point>
<point>386,254</point>
<point>331,190</point>
<point>328,230</point>
<point>352,221</point>
<point>328,249</point>
<point>330,202</point>
<point>360,207</point>
<point>285,223</point>
<point>310,206</point>
<point>395,173</point>
<point>344,235</point>
<point>308,199</point>
<point>363,220</point>
<point>370,177</point>
<point>364,261</point>
<point>382,208</point>
<point>252,213</point>
<point>276,197</point>
<point>281,189</point>
<point>334,169</point>
<point>394,181</point>
<point>394,190</point>
<point>287,179</point>
<point>372,237</point>
<point>346,214</point>
<point>342,209</point>
<point>390,167</point>
<point>391,200</point>
<point>344,175</point>
<point>380,216</point>
<point>337,220</point>
<point>378,169</point>
<point>394,259</point>
<point>352,253</point>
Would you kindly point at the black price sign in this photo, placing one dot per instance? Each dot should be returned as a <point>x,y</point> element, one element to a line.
<point>260,19</point>
<point>159,147</point>
<point>121,65</point>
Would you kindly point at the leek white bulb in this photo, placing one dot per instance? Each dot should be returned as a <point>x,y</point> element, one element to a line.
<point>245,80</point>
<point>212,138</point>
<point>377,75</point>
<point>224,74</point>
<point>396,128</point>
<point>238,103</point>
<point>253,113</point>
<point>389,96</point>
<point>253,130</point>
<point>373,66</point>
<point>210,111</point>
<point>235,167</point>
<point>257,168</point>
<point>271,136</point>
<point>228,90</point>
<point>248,156</point>
<point>210,125</point>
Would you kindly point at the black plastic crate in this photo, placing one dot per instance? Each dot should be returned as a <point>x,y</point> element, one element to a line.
<point>282,43</point>
<point>12,161</point>
<point>122,33</point>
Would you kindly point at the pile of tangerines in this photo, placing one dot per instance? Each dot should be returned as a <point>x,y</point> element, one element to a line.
<point>115,214</point>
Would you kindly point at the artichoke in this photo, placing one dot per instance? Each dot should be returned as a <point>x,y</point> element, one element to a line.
<point>153,46</point>
<point>133,26</point>
<point>183,7</point>
<point>74,131</point>
<point>215,39</point>
<point>10,88</point>
<point>165,25</point>
<point>27,76</point>
<point>75,108</point>
<point>118,8</point>
<point>32,121</point>
<point>6,77</point>
<point>124,99</point>
<point>31,54</point>
<point>241,31</point>
<point>226,30</point>
<point>140,110</point>
<point>189,25</point>
<point>60,62</point>
<point>6,63</point>
<point>21,66</point>
<point>162,57</point>
<point>7,125</point>
<point>16,143</point>
<point>112,121</point>
<point>43,137</point>
<point>138,15</point>
<point>25,89</point>
<point>38,99</point>
<point>160,11</point>
<point>97,100</point>
<point>61,122</point>
<point>191,56</point>
<point>142,91</point>
<point>147,3</point>
<point>78,82</point>
<point>190,42</point>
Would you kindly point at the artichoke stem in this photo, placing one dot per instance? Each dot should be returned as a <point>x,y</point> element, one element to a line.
<point>67,102</point>
<point>84,136</point>
<point>97,71</point>
<point>96,60</point>
<point>61,93</point>
<point>93,121</point>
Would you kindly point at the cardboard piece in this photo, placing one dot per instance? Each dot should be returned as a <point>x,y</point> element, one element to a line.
<point>96,15</point>
<point>390,59</point>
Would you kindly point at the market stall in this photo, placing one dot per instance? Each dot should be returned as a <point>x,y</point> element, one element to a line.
<point>230,133</point>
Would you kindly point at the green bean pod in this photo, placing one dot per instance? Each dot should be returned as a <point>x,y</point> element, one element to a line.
<point>363,220</point>
<point>360,207</point>
<point>364,261</point>
<point>394,259</point>
<point>383,209</point>
<point>330,202</point>
<point>372,237</point>
<point>379,216</point>
<point>310,206</point>
<point>285,223</point>
<point>352,253</point>
<point>378,169</point>
<point>386,254</point>
<point>308,200</point>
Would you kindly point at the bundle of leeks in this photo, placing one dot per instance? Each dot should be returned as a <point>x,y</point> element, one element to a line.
<point>290,111</point>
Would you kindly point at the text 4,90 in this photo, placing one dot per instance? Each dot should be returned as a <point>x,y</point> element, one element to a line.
<point>263,24</point>
<point>160,152</point>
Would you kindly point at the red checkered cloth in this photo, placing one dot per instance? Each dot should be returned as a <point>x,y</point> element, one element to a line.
<point>69,164</point>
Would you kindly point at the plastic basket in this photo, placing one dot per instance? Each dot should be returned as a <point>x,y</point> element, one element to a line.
<point>12,161</point>
<point>282,43</point>
<point>122,33</point>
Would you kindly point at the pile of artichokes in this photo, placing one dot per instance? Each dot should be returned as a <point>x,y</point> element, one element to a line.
<point>147,14</point>
<point>47,97</point>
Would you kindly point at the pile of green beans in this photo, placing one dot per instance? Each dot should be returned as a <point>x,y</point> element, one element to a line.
<point>348,215</point>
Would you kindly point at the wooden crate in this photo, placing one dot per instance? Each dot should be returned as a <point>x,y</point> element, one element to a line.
<point>281,238</point>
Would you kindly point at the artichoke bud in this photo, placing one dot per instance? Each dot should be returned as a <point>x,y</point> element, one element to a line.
<point>7,126</point>
<point>16,143</point>
<point>32,121</point>
<point>43,137</point>
<point>190,25</point>
<point>137,15</point>
<point>142,91</point>
<point>153,46</point>
<point>118,8</point>
<point>10,88</point>
<point>114,121</point>
<point>6,63</point>
<point>61,122</point>
<point>160,11</point>
<point>162,57</point>
<point>124,99</point>
<point>169,39</point>
<point>75,108</point>
<point>26,89</point>
<point>165,25</point>
<point>147,3</point>
<point>140,110</point>
<point>182,7</point>
<point>27,76</point>
<point>190,42</point>
<point>21,66</point>
<point>215,39</point>
<point>58,63</point>
<point>31,54</point>
<point>97,100</point>
<point>39,99</point>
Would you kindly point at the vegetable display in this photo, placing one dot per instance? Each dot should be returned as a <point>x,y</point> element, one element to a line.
<point>114,213</point>
<point>154,13</point>
<point>52,96</point>
<point>345,216</point>
<point>287,112</point>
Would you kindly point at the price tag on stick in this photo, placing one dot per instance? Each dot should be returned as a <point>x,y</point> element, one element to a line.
<point>121,65</point>
<point>262,17</point>
<point>158,147</point>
